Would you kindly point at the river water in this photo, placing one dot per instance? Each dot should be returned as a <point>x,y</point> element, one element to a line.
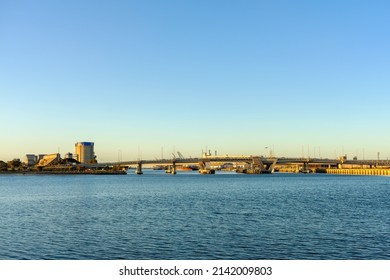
<point>192,216</point>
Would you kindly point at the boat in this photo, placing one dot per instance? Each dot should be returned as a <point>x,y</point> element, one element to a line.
<point>184,168</point>
<point>159,167</point>
<point>206,171</point>
<point>305,171</point>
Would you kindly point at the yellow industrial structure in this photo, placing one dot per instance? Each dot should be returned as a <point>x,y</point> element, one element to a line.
<point>49,159</point>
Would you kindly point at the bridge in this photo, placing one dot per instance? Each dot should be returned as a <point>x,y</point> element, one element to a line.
<point>254,164</point>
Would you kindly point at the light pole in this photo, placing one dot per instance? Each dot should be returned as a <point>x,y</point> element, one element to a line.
<point>119,156</point>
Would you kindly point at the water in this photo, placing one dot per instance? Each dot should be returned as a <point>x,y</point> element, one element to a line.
<point>191,216</point>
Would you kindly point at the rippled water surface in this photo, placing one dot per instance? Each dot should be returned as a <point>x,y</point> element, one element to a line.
<point>192,216</point>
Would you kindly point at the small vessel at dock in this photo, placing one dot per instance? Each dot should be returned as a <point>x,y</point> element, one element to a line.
<point>184,168</point>
<point>206,171</point>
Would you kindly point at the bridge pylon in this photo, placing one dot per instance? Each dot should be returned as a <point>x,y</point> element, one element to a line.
<point>138,169</point>
<point>205,167</point>
<point>259,167</point>
<point>171,169</point>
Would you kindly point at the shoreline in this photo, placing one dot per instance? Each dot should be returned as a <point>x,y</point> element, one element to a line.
<point>120,172</point>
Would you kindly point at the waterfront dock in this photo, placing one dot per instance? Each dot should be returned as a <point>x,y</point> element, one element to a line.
<point>359,171</point>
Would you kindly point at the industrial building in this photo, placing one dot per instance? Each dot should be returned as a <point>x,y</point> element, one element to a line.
<point>85,152</point>
<point>31,160</point>
<point>49,159</point>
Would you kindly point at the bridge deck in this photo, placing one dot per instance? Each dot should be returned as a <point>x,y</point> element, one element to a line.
<point>243,159</point>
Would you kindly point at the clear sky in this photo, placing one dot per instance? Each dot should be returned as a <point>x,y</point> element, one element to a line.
<point>142,78</point>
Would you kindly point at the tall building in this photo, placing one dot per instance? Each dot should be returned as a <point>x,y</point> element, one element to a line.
<point>31,160</point>
<point>85,152</point>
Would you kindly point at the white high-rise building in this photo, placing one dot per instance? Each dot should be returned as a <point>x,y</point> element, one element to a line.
<point>85,152</point>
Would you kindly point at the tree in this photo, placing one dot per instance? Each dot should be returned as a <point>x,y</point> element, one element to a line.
<point>14,164</point>
<point>3,166</point>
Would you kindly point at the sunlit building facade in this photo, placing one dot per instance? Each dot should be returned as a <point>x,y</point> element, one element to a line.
<point>31,160</point>
<point>85,152</point>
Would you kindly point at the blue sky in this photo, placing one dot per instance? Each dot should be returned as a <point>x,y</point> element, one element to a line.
<point>232,76</point>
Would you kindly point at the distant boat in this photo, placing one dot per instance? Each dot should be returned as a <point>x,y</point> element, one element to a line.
<point>159,167</point>
<point>206,171</point>
<point>184,168</point>
<point>194,166</point>
<point>306,171</point>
